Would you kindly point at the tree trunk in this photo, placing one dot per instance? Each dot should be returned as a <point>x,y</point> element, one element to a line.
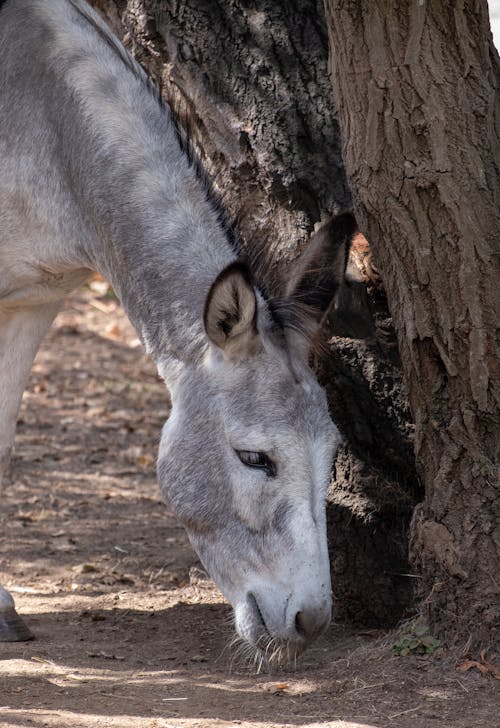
<point>250,82</point>
<point>375,489</point>
<point>417,93</point>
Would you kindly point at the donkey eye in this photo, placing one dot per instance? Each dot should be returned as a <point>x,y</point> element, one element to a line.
<point>257,460</point>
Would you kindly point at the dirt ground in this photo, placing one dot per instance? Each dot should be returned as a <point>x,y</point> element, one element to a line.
<point>130,632</point>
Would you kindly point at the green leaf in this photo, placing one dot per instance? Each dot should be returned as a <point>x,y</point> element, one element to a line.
<point>420,629</point>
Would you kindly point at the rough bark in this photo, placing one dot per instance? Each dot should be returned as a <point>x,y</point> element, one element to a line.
<point>417,91</point>
<point>250,80</point>
<point>374,487</point>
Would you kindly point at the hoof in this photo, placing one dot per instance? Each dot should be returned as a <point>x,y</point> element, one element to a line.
<point>12,627</point>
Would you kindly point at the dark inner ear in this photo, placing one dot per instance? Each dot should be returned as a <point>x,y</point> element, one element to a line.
<point>230,313</point>
<point>319,271</point>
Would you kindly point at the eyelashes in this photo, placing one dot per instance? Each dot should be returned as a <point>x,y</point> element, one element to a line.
<point>257,460</point>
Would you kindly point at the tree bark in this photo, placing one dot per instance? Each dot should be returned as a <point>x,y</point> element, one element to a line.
<point>417,91</point>
<point>374,488</point>
<point>250,82</point>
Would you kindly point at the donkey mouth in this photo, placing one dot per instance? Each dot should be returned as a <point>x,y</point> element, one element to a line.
<point>257,617</point>
<point>273,649</point>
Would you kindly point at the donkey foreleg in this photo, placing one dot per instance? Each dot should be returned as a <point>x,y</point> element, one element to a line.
<point>21,331</point>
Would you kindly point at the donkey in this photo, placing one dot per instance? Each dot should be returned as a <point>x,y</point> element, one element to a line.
<point>94,178</point>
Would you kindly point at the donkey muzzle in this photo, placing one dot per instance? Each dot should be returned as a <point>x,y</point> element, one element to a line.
<point>280,626</point>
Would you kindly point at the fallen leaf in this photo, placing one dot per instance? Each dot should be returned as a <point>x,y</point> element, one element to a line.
<point>277,688</point>
<point>83,568</point>
<point>114,331</point>
<point>95,617</point>
<point>484,667</point>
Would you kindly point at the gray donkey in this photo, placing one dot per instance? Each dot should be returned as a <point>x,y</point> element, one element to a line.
<point>94,178</point>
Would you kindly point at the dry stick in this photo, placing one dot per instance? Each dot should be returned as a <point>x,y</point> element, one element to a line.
<point>329,716</point>
<point>117,695</point>
<point>368,687</point>
<point>404,712</point>
<point>100,306</point>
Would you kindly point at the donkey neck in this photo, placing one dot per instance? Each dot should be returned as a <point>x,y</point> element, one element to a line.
<point>143,217</point>
<point>158,237</point>
<point>161,257</point>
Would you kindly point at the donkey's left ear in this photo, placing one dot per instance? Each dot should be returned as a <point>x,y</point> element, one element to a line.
<point>230,315</point>
<point>319,271</point>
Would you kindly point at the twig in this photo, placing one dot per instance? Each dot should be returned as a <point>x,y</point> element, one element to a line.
<point>368,687</point>
<point>117,695</point>
<point>165,700</point>
<point>404,712</point>
<point>100,306</point>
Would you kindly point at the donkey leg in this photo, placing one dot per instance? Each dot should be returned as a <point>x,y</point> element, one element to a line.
<point>12,627</point>
<point>21,331</point>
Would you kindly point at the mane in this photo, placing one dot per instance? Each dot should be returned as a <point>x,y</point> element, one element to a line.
<point>119,50</point>
<point>183,131</point>
<point>291,314</point>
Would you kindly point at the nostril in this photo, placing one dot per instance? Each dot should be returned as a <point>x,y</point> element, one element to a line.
<point>299,626</point>
<point>309,623</point>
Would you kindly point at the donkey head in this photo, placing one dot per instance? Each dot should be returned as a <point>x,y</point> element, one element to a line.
<point>245,456</point>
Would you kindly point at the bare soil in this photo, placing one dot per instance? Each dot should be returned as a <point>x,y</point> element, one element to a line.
<point>130,632</point>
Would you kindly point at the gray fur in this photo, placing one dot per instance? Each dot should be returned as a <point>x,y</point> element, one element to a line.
<point>94,179</point>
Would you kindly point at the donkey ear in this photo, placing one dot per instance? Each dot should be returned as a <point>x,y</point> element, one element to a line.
<point>230,315</point>
<point>319,271</point>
